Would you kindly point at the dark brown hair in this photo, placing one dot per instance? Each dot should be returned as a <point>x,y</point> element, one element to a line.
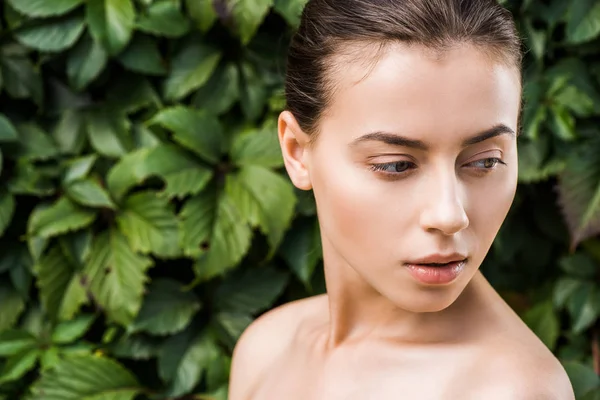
<point>330,27</point>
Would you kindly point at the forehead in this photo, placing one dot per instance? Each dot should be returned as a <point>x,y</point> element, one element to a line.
<point>416,91</point>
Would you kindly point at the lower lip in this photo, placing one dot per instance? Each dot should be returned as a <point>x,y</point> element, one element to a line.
<point>436,275</point>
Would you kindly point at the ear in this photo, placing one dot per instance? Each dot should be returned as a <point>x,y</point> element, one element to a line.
<point>294,144</point>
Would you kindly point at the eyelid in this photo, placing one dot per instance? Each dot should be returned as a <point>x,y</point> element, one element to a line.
<point>496,153</point>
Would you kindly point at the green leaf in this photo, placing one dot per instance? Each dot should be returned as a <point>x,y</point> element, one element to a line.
<point>14,341</point>
<point>584,307</point>
<point>563,123</point>
<point>167,309</point>
<point>257,147</point>
<point>165,161</point>
<point>44,8</point>
<point>76,247</point>
<point>131,93</point>
<point>582,377</point>
<point>35,144</point>
<point>21,79</point>
<point>579,265</point>
<point>18,365</point>
<point>86,377</point>
<point>250,291</point>
<point>543,321</point>
<point>202,13</point>
<point>164,18</point>
<point>249,14</point>
<point>52,35</point>
<point>137,347</point>
<point>86,61</point>
<point>191,67</point>
<point>584,21</point>
<point>221,91</point>
<point>61,217</point>
<point>233,324</point>
<point>290,10</point>
<point>150,225</point>
<point>69,331</point>
<point>143,56</point>
<point>183,359</point>
<point>253,92</point>
<point>69,133</point>
<point>109,133</point>
<point>60,284</point>
<point>89,193</point>
<point>264,198</point>
<point>301,249</point>
<point>111,23</point>
<point>28,179</point>
<point>12,306</point>
<point>211,230</point>
<point>8,132</point>
<point>564,288</point>
<point>117,276</point>
<point>195,130</point>
<point>7,209</point>
<point>579,191</point>
<point>79,168</point>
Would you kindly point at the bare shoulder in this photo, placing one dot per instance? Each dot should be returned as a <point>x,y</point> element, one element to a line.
<point>265,340</point>
<point>520,370</point>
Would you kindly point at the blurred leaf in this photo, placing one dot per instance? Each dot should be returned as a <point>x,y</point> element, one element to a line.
<point>202,13</point>
<point>195,130</point>
<point>61,217</point>
<point>12,307</point>
<point>221,91</point>
<point>250,291</point>
<point>164,18</point>
<point>143,56</point>
<point>109,133</point>
<point>234,324</point>
<point>248,15</point>
<point>86,61</point>
<point>264,199</point>
<point>69,331</point>
<point>8,132</point>
<point>52,35</point>
<point>211,230</point>
<point>117,276</point>
<point>111,23</point>
<point>131,93</point>
<point>79,168</point>
<point>69,132</point>
<point>44,8</point>
<point>35,144</point>
<point>86,377</point>
<point>165,161</point>
<point>301,249</point>
<point>191,67</point>
<point>584,21</point>
<point>137,347</point>
<point>290,10</point>
<point>579,192</point>
<point>183,359</point>
<point>21,79</point>
<point>584,306</point>
<point>7,208</point>
<point>61,286</point>
<point>564,288</point>
<point>544,322</point>
<point>563,123</point>
<point>583,378</point>
<point>579,265</point>
<point>89,193</point>
<point>257,147</point>
<point>150,225</point>
<point>18,365</point>
<point>253,93</point>
<point>167,309</point>
<point>13,342</point>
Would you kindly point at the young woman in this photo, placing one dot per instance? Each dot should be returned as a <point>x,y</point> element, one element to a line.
<point>402,118</point>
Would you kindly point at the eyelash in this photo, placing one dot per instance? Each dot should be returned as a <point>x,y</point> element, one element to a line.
<point>481,170</point>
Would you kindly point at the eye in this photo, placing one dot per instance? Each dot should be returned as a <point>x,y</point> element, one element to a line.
<point>486,163</point>
<point>397,167</point>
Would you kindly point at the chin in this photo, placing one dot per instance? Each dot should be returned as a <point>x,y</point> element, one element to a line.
<point>427,300</point>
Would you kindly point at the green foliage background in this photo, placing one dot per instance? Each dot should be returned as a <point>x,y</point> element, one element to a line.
<point>145,219</point>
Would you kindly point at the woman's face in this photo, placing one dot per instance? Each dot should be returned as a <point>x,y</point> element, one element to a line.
<point>415,163</point>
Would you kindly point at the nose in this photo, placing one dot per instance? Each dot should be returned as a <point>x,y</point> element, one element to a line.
<point>443,208</point>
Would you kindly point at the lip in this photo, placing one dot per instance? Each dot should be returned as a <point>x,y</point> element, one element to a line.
<point>438,259</point>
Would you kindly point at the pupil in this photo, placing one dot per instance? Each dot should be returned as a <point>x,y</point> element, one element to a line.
<point>489,163</point>
<point>401,166</point>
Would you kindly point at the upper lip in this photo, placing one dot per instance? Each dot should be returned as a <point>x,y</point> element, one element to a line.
<point>439,259</point>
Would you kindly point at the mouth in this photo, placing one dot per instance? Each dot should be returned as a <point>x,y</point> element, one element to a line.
<point>437,269</point>
<point>439,260</point>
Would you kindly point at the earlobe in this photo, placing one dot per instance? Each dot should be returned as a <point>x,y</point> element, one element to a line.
<point>294,146</point>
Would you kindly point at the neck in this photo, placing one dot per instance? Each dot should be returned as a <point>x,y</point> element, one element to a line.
<point>359,312</point>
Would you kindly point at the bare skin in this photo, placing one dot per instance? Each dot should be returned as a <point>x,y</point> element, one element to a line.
<point>437,180</point>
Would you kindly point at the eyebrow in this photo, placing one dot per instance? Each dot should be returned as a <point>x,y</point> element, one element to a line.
<point>397,140</point>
